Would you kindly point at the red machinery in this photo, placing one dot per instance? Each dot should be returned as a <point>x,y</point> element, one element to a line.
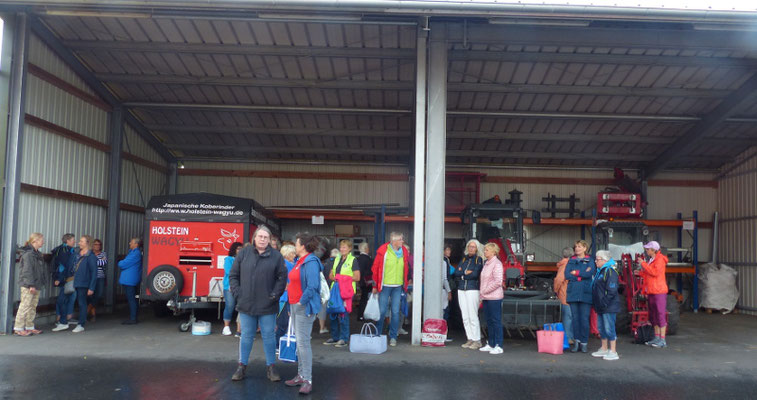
<point>623,205</point>
<point>187,238</point>
<point>633,299</point>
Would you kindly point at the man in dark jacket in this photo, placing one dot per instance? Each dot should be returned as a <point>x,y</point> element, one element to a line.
<point>604,291</point>
<point>257,280</point>
<point>61,264</point>
<point>365,262</point>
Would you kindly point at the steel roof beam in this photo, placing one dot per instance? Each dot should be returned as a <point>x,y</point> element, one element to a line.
<point>379,152</point>
<point>565,137</point>
<point>585,90</point>
<point>606,37</point>
<point>744,97</point>
<point>595,58</point>
<point>239,49</point>
<point>408,85</point>
<point>257,82</point>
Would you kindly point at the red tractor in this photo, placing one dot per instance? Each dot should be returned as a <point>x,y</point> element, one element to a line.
<point>624,240</point>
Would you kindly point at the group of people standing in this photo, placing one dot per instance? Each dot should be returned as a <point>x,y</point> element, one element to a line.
<point>584,282</point>
<point>78,271</point>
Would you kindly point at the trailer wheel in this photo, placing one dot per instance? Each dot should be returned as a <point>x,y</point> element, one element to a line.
<point>674,314</point>
<point>184,326</point>
<point>165,281</point>
<point>623,318</point>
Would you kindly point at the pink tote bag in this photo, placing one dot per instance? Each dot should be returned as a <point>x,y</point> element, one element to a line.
<point>550,341</point>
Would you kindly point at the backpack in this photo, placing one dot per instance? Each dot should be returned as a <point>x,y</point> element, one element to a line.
<point>336,304</point>
<point>643,333</point>
<point>325,292</point>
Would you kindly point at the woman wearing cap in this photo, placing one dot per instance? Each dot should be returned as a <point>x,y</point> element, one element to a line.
<point>606,303</point>
<point>656,288</point>
<point>578,273</point>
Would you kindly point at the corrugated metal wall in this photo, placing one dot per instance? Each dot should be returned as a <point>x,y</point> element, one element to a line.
<point>54,162</point>
<point>138,184</point>
<point>737,239</point>
<point>299,192</point>
<point>545,241</point>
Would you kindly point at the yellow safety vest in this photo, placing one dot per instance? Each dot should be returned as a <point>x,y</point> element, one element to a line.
<point>346,266</point>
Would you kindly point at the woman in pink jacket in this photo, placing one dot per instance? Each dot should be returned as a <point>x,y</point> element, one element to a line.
<point>492,294</point>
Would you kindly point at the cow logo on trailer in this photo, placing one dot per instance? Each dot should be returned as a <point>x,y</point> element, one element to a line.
<point>228,238</point>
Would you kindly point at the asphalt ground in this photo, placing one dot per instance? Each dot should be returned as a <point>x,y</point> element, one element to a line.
<point>712,357</point>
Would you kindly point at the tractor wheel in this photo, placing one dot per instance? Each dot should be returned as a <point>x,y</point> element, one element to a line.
<point>674,314</point>
<point>623,318</point>
<point>164,282</point>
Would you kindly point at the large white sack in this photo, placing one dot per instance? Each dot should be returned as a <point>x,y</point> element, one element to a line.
<point>717,287</point>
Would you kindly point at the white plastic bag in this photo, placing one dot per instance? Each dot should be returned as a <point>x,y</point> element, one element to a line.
<point>325,291</point>
<point>372,310</point>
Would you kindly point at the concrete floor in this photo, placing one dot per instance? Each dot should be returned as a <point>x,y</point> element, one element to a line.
<point>713,357</point>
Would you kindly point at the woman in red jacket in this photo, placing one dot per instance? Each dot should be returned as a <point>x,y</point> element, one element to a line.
<point>656,287</point>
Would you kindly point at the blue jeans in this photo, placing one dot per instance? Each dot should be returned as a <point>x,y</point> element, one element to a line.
<point>493,312</point>
<point>131,298</point>
<point>99,290</point>
<point>567,321</point>
<point>606,326</point>
<point>340,326</point>
<point>581,312</point>
<point>386,295</point>
<point>65,305</point>
<point>228,309</point>
<point>249,327</point>
<point>81,297</point>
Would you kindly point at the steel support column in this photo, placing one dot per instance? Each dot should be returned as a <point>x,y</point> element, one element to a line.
<point>436,153</point>
<point>114,202</point>
<point>419,181</point>
<point>173,177</point>
<point>17,99</point>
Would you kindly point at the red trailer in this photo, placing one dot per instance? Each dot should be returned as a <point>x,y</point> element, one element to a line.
<point>187,238</point>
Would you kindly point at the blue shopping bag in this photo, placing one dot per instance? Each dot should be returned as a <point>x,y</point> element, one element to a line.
<point>557,326</point>
<point>288,345</point>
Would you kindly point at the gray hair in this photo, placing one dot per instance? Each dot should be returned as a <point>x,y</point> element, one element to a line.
<point>395,236</point>
<point>604,254</point>
<point>138,240</point>
<point>287,250</point>
<point>67,237</point>
<point>334,253</point>
<point>479,247</point>
<point>363,247</point>
<point>567,252</point>
<point>264,229</point>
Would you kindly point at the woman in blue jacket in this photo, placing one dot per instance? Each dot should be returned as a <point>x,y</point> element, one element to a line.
<point>606,303</point>
<point>131,275</point>
<point>85,278</point>
<point>579,273</point>
<point>228,309</point>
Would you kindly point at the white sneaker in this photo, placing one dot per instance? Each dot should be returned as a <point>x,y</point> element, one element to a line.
<point>226,331</point>
<point>600,353</point>
<point>60,327</point>
<point>324,331</point>
<point>78,329</point>
<point>486,348</point>
<point>611,355</point>
<point>497,350</point>
<point>402,332</point>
